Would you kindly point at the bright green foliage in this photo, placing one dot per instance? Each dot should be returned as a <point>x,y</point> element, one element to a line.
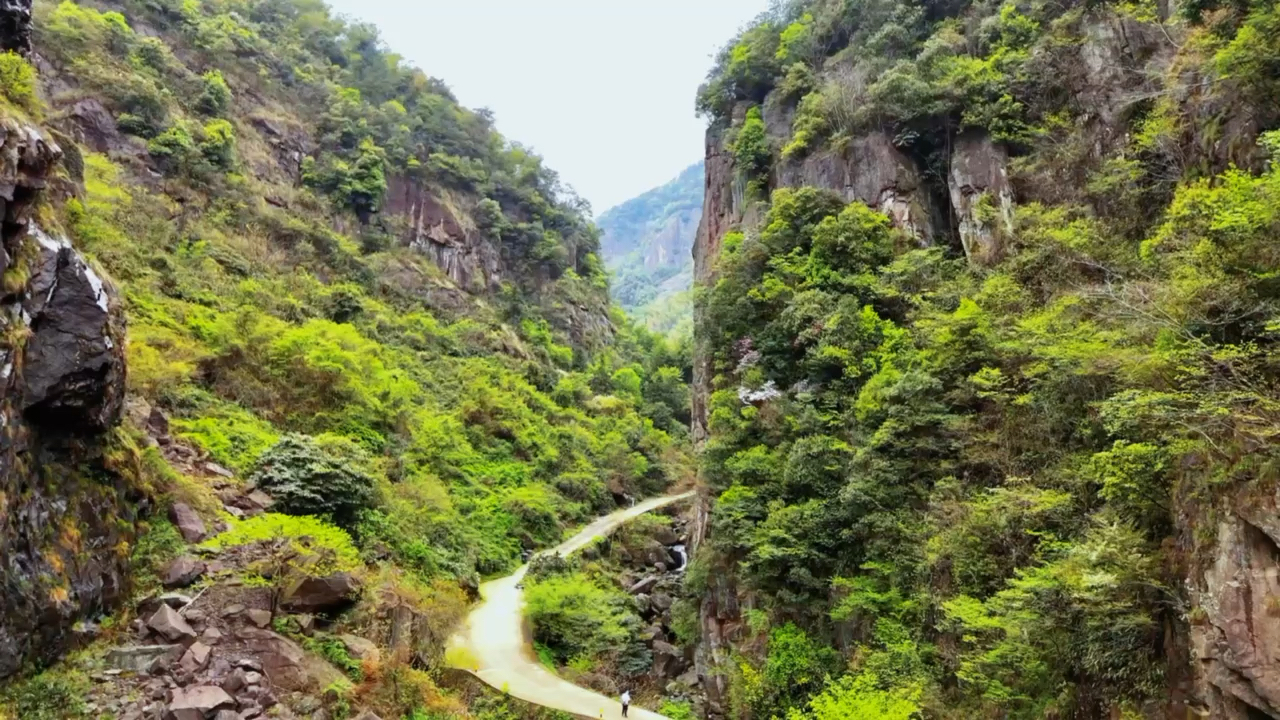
<point>306,479</point>
<point>860,698</point>
<point>335,651</point>
<point>677,710</point>
<point>51,695</point>
<point>576,616</point>
<point>17,81</point>
<point>328,548</point>
<point>215,97</point>
<point>904,447</point>
<point>795,668</point>
<point>752,152</point>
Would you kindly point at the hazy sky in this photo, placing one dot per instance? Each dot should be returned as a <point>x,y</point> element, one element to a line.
<point>602,89</point>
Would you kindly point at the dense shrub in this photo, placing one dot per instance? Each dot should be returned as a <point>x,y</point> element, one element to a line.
<point>17,80</point>
<point>215,96</point>
<point>304,479</point>
<point>576,617</point>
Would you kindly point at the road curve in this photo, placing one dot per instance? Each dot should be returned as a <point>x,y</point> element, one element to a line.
<point>501,656</point>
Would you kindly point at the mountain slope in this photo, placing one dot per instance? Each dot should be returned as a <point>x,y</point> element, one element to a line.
<point>986,362</point>
<point>341,289</point>
<point>647,242</point>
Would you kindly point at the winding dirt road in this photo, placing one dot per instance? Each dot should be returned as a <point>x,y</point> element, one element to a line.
<point>501,656</point>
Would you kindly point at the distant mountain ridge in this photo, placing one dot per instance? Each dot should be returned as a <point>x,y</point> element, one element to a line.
<point>647,243</point>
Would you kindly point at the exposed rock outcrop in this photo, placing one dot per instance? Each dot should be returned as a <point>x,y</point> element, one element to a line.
<point>872,171</point>
<point>981,196</point>
<point>446,235</point>
<point>1237,628</point>
<point>64,509</point>
<point>15,26</point>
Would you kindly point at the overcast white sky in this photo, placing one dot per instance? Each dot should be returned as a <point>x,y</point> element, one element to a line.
<point>602,89</point>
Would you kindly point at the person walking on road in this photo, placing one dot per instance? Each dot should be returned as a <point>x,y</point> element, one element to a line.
<point>626,701</point>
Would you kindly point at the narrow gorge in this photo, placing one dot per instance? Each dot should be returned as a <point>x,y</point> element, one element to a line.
<point>942,386</point>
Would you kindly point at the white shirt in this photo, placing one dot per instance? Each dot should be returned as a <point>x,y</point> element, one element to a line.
<point>626,698</point>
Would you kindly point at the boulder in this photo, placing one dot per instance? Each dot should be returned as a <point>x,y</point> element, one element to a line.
<point>188,522</point>
<point>182,572</point>
<point>666,536</point>
<point>196,657</point>
<point>599,682</point>
<point>288,666</point>
<point>139,658</point>
<point>368,715</point>
<point>321,595</point>
<point>168,623</point>
<point>261,618</point>
<point>199,702</point>
<point>661,601</point>
<point>360,648</point>
<point>668,661</point>
<point>214,468</point>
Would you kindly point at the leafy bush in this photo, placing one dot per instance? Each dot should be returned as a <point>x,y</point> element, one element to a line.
<point>17,80</point>
<point>304,479</point>
<point>215,95</point>
<point>335,651</point>
<point>328,549</point>
<point>860,696</point>
<point>576,617</point>
<point>51,695</point>
<point>752,152</point>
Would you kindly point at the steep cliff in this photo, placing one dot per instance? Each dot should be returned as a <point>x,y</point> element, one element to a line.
<point>65,508</point>
<point>907,463</point>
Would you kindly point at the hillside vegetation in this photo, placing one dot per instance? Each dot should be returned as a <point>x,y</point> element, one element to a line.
<point>347,289</point>
<point>980,461</point>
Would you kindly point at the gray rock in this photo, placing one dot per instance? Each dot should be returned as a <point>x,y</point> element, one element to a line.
<point>321,595</point>
<point>188,522</point>
<point>980,176</point>
<point>214,468</point>
<point>249,664</point>
<point>661,601</point>
<point>668,661</point>
<point>360,648</point>
<point>196,657</point>
<point>139,657</point>
<point>168,623</point>
<point>261,618</point>
<point>235,682</point>
<point>199,702</point>
<point>644,585</point>
<point>227,715</point>
<point>182,572</point>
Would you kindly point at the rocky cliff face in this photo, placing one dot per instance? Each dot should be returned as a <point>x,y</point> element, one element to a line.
<point>449,237</point>
<point>968,205</point>
<point>66,516</point>
<point>15,26</point>
<point>1235,620</point>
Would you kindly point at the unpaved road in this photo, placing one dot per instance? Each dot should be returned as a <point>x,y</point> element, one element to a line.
<point>500,656</point>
